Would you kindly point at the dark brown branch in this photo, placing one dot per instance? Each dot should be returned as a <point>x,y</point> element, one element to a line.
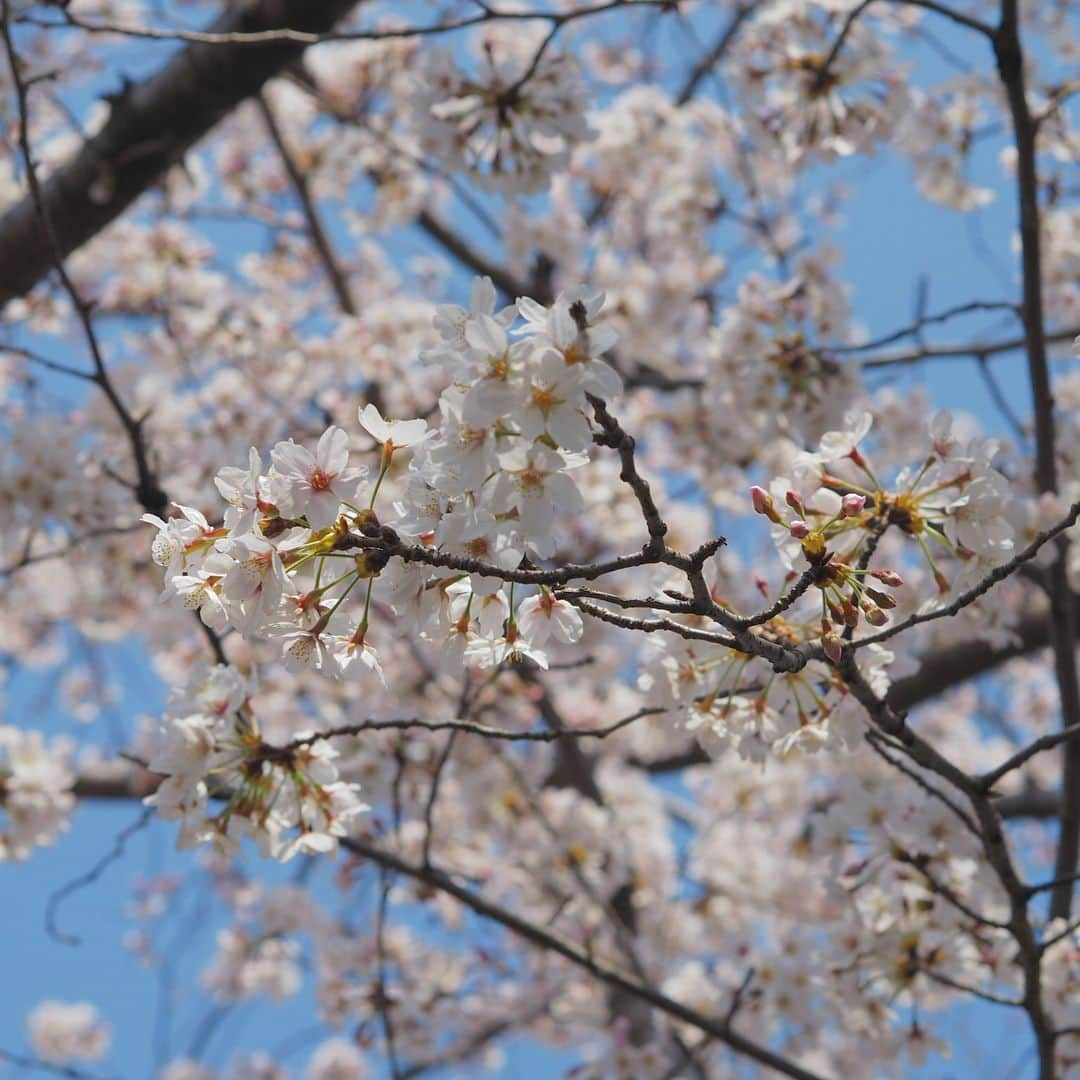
<point>1036,803</point>
<point>384,1003</point>
<point>433,795</point>
<point>469,727</point>
<point>1046,885</point>
<point>1039,746</point>
<point>822,78</point>
<point>151,125</point>
<point>450,239</point>
<point>992,837</point>
<point>39,1064</point>
<point>958,17</point>
<point>291,34</point>
<point>921,863</point>
<point>942,669</point>
<point>649,626</point>
<point>915,329</point>
<point>469,256</point>
<point>1010,62</point>
<point>881,747</point>
<point>147,489</point>
<point>962,352</point>
<point>116,852</point>
<point>806,579</point>
<point>613,435</point>
<point>973,991</point>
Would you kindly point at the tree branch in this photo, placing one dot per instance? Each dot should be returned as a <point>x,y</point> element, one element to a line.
<point>151,125</point>
<point>339,280</point>
<point>1010,61</point>
<point>551,942</point>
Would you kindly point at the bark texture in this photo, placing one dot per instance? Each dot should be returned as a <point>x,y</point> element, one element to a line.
<point>152,124</point>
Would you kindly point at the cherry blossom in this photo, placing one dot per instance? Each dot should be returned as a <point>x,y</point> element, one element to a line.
<point>564,562</point>
<point>36,779</point>
<point>314,485</point>
<point>68,1031</point>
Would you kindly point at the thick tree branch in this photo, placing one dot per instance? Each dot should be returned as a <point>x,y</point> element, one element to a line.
<point>151,125</point>
<point>1010,61</point>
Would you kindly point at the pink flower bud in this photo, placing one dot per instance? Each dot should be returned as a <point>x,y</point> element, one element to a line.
<point>799,529</point>
<point>875,616</point>
<point>833,647</point>
<point>853,504</point>
<point>882,599</point>
<point>796,504</point>
<point>763,503</point>
<point>888,577</point>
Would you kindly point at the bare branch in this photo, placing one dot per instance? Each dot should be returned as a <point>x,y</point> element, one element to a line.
<point>52,907</point>
<point>1040,745</point>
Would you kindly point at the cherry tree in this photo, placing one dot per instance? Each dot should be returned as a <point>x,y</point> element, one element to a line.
<point>464,411</point>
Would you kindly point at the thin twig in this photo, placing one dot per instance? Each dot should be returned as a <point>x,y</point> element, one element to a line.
<point>52,906</point>
<point>1041,744</point>
<point>998,574</point>
<point>338,279</point>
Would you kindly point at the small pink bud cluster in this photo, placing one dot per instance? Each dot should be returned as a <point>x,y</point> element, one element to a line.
<point>811,534</point>
<point>847,596</point>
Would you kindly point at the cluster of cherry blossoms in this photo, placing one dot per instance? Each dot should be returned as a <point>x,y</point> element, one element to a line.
<point>828,519</point>
<point>287,798</point>
<point>513,123</point>
<point>731,701</point>
<point>484,491</point>
<point>35,791</point>
<point>761,354</point>
<point>814,101</point>
<point>952,504</point>
<point>939,133</point>
<point>62,1031</point>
